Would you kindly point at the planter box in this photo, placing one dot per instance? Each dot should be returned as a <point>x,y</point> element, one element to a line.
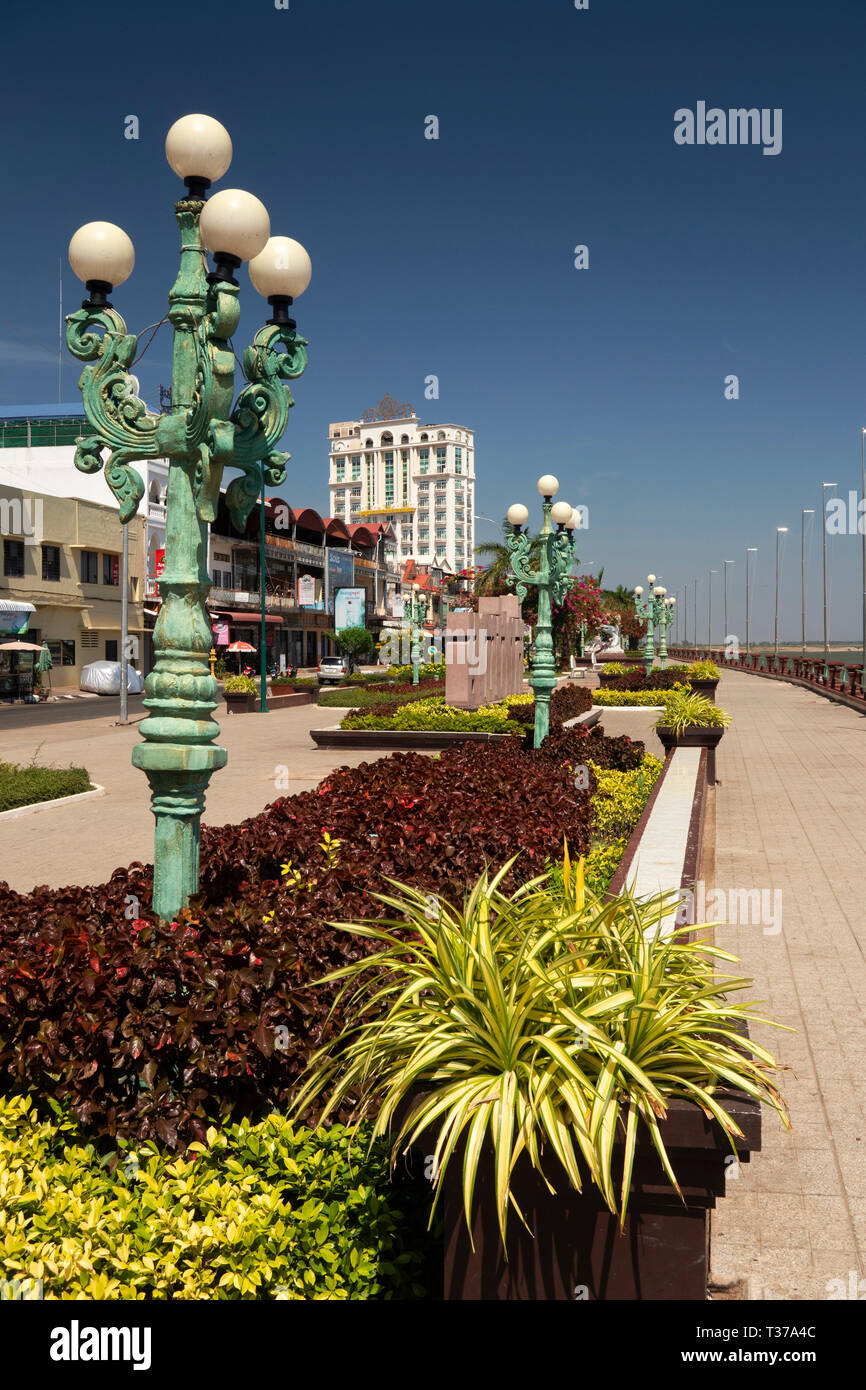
<point>291,697</point>
<point>240,703</point>
<point>704,687</point>
<point>577,1251</point>
<point>694,737</point>
<point>400,738</point>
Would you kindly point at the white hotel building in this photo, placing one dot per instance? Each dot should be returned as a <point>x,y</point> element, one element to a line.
<point>420,478</point>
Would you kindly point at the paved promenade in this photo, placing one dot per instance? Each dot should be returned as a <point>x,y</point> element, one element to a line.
<point>84,843</point>
<point>791,815</point>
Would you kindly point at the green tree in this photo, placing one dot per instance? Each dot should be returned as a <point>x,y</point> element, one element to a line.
<point>353,642</point>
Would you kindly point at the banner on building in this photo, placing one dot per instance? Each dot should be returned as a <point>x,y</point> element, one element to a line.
<point>349,608</point>
<point>395,605</point>
<point>159,565</point>
<point>221,634</point>
<point>341,574</point>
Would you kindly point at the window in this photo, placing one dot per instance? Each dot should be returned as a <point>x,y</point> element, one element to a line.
<point>458,460</point>
<point>441,434</point>
<point>340,469</point>
<point>423,516</point>
<point>62,653</point>
<point>404,459</point>
<point>222,556</point>
<point>110,573</point>
<point>423,460</point>
<point>389,478</point>
<point>51,562</point>
<point>89,567</point>
<point>458,531</point>
<point>424,439</point>
<point>336,434</point>
<point>423,533</point>
<point>440,458</point>
<point>89,641</point>
<point>111,649</point>
<point>371,492</point>
<point>441,533</point>
<point>13,558</point>
<point>356,467</point>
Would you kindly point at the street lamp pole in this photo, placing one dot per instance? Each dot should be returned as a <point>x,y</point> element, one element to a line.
<point>780,531</point>
<point>551,579</point>
<point>696,617</point>
<point>710,608</point>
<point>750,550</point>
<point>726,634</point>
<point>861,523</point>
<point>805,511</point>
<point>201,434</point>
<point>824,534</point>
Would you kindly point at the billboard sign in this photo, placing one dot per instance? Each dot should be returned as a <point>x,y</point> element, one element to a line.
<point>341,573</point>
<point>349,608</point>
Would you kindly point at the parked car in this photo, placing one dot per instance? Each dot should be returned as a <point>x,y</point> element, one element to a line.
<point>103,678</point>
<point>332,669</point>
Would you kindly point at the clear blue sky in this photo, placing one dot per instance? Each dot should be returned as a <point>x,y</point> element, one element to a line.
<point>455,257</point>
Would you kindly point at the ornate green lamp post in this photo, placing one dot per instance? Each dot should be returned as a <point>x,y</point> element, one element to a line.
<point>201,435</point>
<point>666,617</point>
<point>417,609</point>
<point>649,610</point>
<point>555,560</point>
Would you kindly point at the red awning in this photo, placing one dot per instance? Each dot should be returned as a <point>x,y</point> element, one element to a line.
<point>253,617</point>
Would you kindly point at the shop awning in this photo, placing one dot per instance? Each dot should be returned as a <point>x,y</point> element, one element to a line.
<point>252,617</point>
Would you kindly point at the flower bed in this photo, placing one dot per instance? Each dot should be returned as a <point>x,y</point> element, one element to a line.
<point>379,696</point>
<point>639,680</point>
<point>257,1211</point>
<point>160,1030</point>
<point>612,698</point>
<point>433,713</point>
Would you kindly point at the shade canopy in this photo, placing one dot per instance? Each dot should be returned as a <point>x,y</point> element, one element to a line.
<point>19,647</point>
<point>241,647</point>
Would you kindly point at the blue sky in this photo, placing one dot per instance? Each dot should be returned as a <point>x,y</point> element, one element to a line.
<point>455,257</point>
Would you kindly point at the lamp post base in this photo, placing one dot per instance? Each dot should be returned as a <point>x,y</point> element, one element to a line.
<point>178,775</point>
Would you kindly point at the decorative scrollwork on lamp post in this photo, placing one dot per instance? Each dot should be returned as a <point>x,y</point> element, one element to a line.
<point>202,434</point>
<point>551,579</point>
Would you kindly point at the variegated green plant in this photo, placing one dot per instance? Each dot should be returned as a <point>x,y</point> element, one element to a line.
<point>684,709</point>
<point>547,1022</point>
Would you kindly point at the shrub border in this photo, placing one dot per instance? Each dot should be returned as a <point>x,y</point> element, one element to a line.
<point>95,791</point>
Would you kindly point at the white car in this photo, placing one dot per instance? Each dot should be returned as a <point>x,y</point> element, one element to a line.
<point>332,669</point>
<point>103,678</point>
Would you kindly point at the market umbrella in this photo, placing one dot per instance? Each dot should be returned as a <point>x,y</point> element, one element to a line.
<point>44,662</point>
<point>239,647</point>
<point>25,647</point>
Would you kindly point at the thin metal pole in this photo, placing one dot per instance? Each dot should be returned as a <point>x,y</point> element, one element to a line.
<point>263,666</point>
<point>750,550</point>
<point>124,625</point>
<point>779,531</point>
<point>824,534</point>
<point>806,511</point>
<point>60,334</point>
<point>696,615</point>
<point>861,523</point>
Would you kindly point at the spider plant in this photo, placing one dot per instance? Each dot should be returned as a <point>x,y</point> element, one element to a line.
<point>547,1022</point>
<point>704,671</point>
<point>684,709</point>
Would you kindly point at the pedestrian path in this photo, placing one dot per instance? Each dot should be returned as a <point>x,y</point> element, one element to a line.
<point>791,816</point>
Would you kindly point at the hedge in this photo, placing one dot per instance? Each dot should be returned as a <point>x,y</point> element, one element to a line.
<point>261,1211</point>
<point>629,697</point>
<point>433,713</point>
<point>25,786</point>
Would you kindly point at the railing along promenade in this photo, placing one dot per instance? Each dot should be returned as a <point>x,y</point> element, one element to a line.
<point>832,678</point>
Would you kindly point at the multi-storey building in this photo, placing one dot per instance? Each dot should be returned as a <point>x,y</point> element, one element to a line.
<point>389,467</point>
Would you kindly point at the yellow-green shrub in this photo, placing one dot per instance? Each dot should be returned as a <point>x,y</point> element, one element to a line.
<point>259,1211</point>
<point>620,799</point>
